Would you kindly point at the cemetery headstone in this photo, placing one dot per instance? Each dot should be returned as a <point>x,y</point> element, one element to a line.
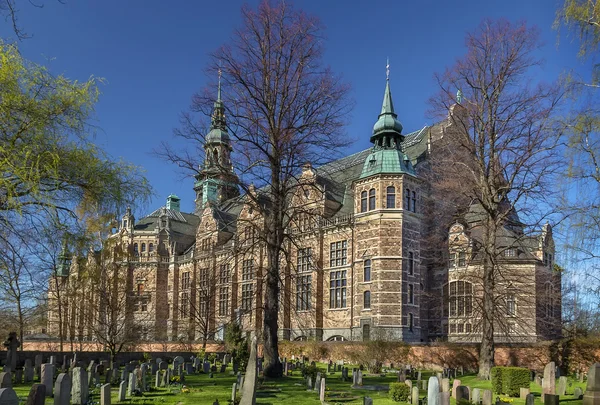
<point>433,390</point>
<point>523,392</point>
<point>476,396</point>
<point>309,385</point>
<point>233,392</point>
<point>551,399</point>
<point>38,364</point>
<point>530,399</point>
<point>443,398</point>
<point>11,343</point>
<point>549,382</point>
<point>37,395</point>
<point>367,401</point>
<point>487,397</point>
<point>455,384</point>
<point>5,380</point>
<point>578,393</point>
<point>105,394</point>
<point>206,367</point>
<point>18,376</point>
<point>445,385</point>
<point>62,389</point>
<point>318,382</point>
<point>28,371</point>
<point>359,377</point>
<point>47,377</point>
<point>132,384</point>
<point>592,391</point>
<point>424,384</point>
<point>249,388</point>
<point>163,365</point>
<point>8,397</point>
<point>462,393</point>
<point>409,383</point>
<point>122,391</point>
<point>414,395</point>
<point>322,390</point>
<point>79,386</point>
<point>561,389</point>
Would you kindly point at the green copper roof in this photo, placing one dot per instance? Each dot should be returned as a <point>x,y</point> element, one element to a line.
<point>386,161</point>
<point>387,122</point>
<point>218,128</point>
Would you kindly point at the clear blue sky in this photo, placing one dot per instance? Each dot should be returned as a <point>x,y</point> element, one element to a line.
<point>153,54</point>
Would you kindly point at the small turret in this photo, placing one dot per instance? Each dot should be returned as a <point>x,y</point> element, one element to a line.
<point>127,221</point>
<point>64,261</point>
<point>174,203</point>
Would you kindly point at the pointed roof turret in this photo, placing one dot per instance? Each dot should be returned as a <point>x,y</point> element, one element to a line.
<point>387,122</point>
<point>218,127</point>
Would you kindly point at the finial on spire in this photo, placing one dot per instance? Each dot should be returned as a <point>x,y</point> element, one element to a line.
<point>387,69</point>
<point>219,90</point>
<point>459,96</point>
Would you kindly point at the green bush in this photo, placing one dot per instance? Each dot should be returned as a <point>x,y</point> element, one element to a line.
<point>509,380</point>
<point>311,371</point>
<point>399,392</point>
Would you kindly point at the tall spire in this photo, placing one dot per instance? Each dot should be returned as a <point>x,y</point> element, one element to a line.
<point>387,122</point>
<point>219,91</point>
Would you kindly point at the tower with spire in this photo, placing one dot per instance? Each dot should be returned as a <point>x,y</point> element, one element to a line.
<point>217,181</point>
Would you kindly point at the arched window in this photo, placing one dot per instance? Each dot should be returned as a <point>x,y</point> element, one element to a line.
<point>371,199</point>
<point>216,157</point>
<point>151,247</point>
<point>390,197</point>
<point>367,299</point>
<point>143,247</point>
<point>301,339</point>
<point>336,338</point>
<point>363,201</point>
<point>407,199</point>
<point>367,270</point>
<point>135,248</point>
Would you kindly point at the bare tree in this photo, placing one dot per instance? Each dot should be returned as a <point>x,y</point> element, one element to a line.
<point>285,109</point>
<point>507,130</point>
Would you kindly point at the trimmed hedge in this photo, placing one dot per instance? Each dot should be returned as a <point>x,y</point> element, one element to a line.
<point>509,380</point>
<point>399,392</point>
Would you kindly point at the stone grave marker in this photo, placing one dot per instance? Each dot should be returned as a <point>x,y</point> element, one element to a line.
<point>158,378</point>
<point>561,389</point>
<point>143,373</point>
<point>18,376</point>
<point>476,397</point>
<point>5,380</point>
<point>233,392</point>
<point>523,392</point>
<point>359,377</point>
<point>539,380</point>
<point>206,367</point>
<point>414,395</point>
<point>530,399</point>
<point>592,391</point>
<point>455,384</point>
<point>131,387</point>
<point>52,360</point>
<point>28,371</point>
<point>122,391</point>
<point>11,343</point>
<point>38,364</point>
<point>318,382</point>
<point>79,386</point>
<point>105,394</point>
<point>108,376</point>
<point>578,393</point>
<point>549,382</point>
<point>487,397</point>
<point>163,365</point>
<point>551,399</point>
<point>424,386</point>
<point>309,385</point>
<point>445,385</point>
<point>462,392</point>
<point>37,395</point>
<point>409,383</point>
<point>47,377</point>
<point>433,390</point>
<point>322,390</point>
<point>153,368</point>
<point>443,398</point>
<point>125,375</point>
<point>249,388</point>
<point>367,401</point>
<point>8,397</point>
<point>62,389</point>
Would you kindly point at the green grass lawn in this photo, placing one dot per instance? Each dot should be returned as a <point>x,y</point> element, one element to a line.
<point>290,391</point>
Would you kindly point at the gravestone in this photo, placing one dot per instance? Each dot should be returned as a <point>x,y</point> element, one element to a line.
<point>549,382</point>
<point>5,380</point>
<point>143,373</point>
<point>206,367</point>
<point>189,368</point>
<point>158,378</point>
<point>80,390</point>
<point>177,361</point>
<point>409,383</point>
<point>105,394</point>
<point>443,398</point>
<point>18,376</point>
<point>52,360</point>
<point>318,382</point>
<point>344,373</point>
<point>487,397</point>
<point>359,377</point>
<point>523,392</point>
<point>309,385</point>
<point>47,377</point>
<point>354,377</point>
<point>367,401</point>
<point>62,389</point>
<point>153,368</point>
<point>125,375</point>
<point>322,390</point>
<point>37,395</point>
<point>476,396</point>
<point>592,391</point>
<point>249,388</point>
<point>11,343</point>
<point>163,365</point>
<point>122,391</point>
<point>578,393</point>
<point>455,384</point>
<point>8,397</point>
<point>132,384</point>
<point>433,390</point>
<point>445,385</point>
<point>424,384</point>
<point>462,393</point>
<point>224,367</point>
<point>530,399</point>
<point>286,368</point>
<point>233,392</point>
<point>561,389</point>
<point>419,375</point>
<point>108,376</point>
<point>539,380</point>
<point>551,399</point>
<point>415,395</point>
<point>28,371</point>
<point>38,364</point>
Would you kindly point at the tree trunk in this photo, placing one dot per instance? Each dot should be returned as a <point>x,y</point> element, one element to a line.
<point>273,367</point>
<point>486,349</point>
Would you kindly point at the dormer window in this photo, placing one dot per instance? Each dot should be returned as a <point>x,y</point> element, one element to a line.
<point>124,223</point>
<point>511,252</point>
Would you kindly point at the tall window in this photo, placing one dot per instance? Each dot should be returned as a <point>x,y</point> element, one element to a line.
<point>248,269</point>
<point>363,201</point>
<point>459,299</point>
<point>303,262</point>
<point>135,248</point>
<point>337,253</point>
<point>366,332</point>
<point>143,247</point>
<point>337,289</point>
<point>151,247</point>
<point>407,199</point>
<point>371,199</point>
<point>390,200</point>
<point>452,260</point>
<point>411,263</point>
<point>549,300</point>
<point>185,280</point>
<point>411,321</point>
<point>247,294</point>
<point>367,270</point>
<point>367,299</point>
<point>462,259</point>
<point>411,294</point>
<point>224,301</point>
<point>204,278</point>
<point>185,304</point>
<point>303,287</point>
<point>511,303</point>
<point>414,201</point>
<point>224,273</point>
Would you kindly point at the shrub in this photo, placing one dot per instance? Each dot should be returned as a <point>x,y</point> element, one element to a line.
<point>509,380</point>
<point>399,392</point>
<point>310,371</point>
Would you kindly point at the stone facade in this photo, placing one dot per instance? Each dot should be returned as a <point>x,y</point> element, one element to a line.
<point>354,267</point>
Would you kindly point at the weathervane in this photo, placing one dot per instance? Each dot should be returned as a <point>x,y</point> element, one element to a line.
<point>387,69</point>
